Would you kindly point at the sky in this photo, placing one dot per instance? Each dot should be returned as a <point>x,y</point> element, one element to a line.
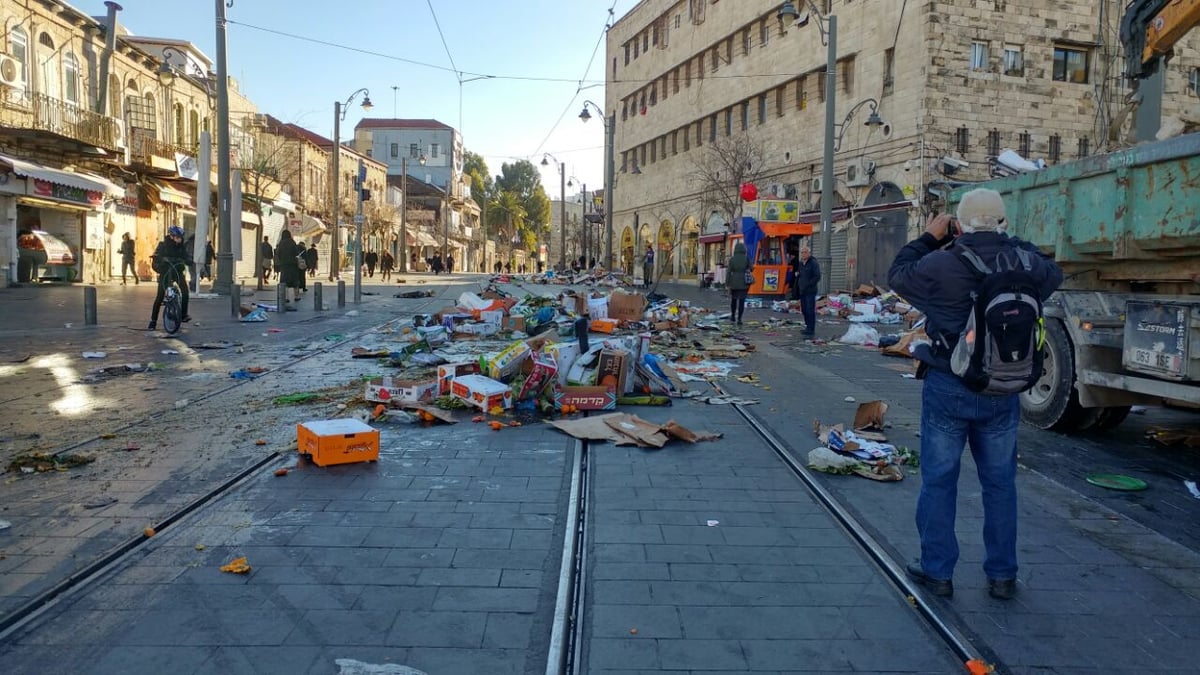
<point>295,58</point>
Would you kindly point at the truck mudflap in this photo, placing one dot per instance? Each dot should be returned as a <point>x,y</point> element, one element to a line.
<point>1158,340</point>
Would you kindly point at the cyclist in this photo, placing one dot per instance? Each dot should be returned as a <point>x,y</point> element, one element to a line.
<point>170,260</point>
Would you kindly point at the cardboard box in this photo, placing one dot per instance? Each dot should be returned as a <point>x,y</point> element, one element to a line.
<point>481,392</point>
<point>495,316</point>
<point>448,371</point>
<point>387,389</point>
<point>542,372</point>
<point>564,355</point>
<point>598,307</point>
<point>341,441</point>
<point>586,398</point>
<point>613,368</point>
<point>626,306</point>
<point>603,325</point>
<point>477,329</point>
<point>513,323</point>
<point>506,363</point>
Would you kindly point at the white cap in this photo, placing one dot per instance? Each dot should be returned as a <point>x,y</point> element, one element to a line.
<point>982,209</point>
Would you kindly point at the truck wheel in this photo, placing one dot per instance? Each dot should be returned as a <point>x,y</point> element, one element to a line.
<point>1052,402</point>
<point>1111,417</point>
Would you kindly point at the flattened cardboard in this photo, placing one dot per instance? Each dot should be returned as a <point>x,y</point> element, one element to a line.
<point>589,428</point>
<point>869,416</point>
<point>638,431</point>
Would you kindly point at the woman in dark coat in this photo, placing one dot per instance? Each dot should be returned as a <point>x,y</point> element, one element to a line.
<point>289,268</point>
<point>739,264</point>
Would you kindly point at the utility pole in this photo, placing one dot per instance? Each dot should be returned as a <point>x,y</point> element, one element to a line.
<point>562,216</point>
<point>610,187</point>
<point>359,180</point>
<point>403,215</point>
<point>224,282</point>
<point>335,202</point>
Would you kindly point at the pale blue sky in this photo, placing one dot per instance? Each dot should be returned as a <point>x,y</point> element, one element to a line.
<point>298,80</point>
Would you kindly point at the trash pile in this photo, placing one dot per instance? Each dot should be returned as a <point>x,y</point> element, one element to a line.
<point>862,449</point>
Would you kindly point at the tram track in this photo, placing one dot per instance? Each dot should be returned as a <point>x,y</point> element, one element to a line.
<point>28,611</point>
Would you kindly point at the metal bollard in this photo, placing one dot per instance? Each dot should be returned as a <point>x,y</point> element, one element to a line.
<point>318,297</point>
<point>89,305</point>
<point>341,293</point>
<point>281,298</point>
<point>235,300</point>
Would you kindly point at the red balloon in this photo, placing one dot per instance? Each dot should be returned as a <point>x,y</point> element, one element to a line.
<point>749,192</point>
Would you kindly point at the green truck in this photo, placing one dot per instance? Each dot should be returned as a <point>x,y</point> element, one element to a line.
<point>1124,329</point>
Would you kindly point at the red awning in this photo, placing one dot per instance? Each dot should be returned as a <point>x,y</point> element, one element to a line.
<point>713,238</point>
<point>840,213</point>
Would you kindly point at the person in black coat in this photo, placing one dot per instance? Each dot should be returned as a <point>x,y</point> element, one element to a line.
<point>288,268</point>
<point>808,276</point>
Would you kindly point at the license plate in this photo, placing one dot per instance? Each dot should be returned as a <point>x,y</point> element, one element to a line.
<point>1159,360</point>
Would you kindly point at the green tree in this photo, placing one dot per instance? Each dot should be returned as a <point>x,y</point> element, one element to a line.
<point>523,180</point>
<point>507,218</point>
<point>481,178</point>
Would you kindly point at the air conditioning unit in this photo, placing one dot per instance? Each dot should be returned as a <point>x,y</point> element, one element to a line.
<point>256,121</point>
<point>790,191</point>
<point>775,190</point>
<point>859,172</point>
<point>10,71</point>
<point>121,138</point>
<point>816,186</point>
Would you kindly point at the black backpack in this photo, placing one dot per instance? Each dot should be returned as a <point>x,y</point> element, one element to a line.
<point>1000,349</point>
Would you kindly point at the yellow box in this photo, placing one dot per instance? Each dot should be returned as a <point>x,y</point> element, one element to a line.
<point>341,441</point>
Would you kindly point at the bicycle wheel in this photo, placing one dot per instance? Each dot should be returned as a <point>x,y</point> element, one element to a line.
<point>172,312</point>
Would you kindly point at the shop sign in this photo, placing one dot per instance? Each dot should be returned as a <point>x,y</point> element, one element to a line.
<point>778,211</point>
<point>187,166</point>
<point>66,193</point>
<point>94,232</point>
<point>770,282</point>
<point>129,201</point>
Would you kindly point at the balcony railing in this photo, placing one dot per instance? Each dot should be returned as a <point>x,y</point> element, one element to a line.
<point>30,110</point>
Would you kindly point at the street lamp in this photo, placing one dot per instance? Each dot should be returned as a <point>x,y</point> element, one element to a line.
<point>404,211</point>
<point>610,130</point>
<point>339,114</point>
<point>828,27</point>
<point>562,208</point>
<point>873,120</point>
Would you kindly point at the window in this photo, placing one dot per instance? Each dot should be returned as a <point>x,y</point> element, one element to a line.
<point>762,109</point>
<point>745,115</point>
<point>626,53</point>
<point>180,128</point>
<point>821,80</point>
<point>993,143</point>
<point>745,42</point>
<point>712,129</point>
<point>1055,148</point>
<point>635,49</point>
<point>889,70</point>
<point>802,93</point>
<point>699,133</point>
<point>1024,143</point>
<point>687,74</point>
<point>18,44</point>
<point>645,42</point>
<point>624,110</point>
<point>642,152</point>
<point>394,150</point>
<point>71,79</point>
<point>962,140</point>
<point>433,149</point>
<point>677,21</point>
<point>413,151</point>
<point>654,94</point>
<point>653,151</point>
<point>979,55</point>
<point>764,33</point>
<point>729,121</point>
<point>675,81</point>
<point>687,137</point>
<point>1070,65</point>
<point>194,127</point>
<point>847,75</point>
<point>1084,147</point>
<point>700,67</point>
<point>614,67</point>
<point>715,59</point>
<point>1014,61</point>
<point>674,143</point>
<point>779,96</point>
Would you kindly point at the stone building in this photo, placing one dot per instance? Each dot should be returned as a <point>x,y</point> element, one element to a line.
<point>688,80</point>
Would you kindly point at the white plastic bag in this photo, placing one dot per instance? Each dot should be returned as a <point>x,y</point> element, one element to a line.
<point>861,334</point>
<point>824,459</point>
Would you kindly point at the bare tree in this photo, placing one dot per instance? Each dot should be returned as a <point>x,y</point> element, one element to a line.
<point>676,214</point>
<point>274,166</point>
<point>723,167</point>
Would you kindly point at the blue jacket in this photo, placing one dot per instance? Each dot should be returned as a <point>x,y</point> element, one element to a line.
<point>939,282</point>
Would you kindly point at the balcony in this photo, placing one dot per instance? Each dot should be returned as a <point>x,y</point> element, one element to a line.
<point>25,110</point>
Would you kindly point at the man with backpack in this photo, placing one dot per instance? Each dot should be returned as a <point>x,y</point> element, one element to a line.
<point>982,295</point>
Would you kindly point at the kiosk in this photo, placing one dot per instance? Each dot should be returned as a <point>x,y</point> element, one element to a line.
<point>770,230</point>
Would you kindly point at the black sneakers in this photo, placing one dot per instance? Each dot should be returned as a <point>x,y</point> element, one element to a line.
<point>940,587</point>
<point>152,326</point>
<point>1002,589</point>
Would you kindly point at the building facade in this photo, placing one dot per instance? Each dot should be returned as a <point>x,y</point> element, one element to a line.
<point>390,140</point>
<point>695,83</point>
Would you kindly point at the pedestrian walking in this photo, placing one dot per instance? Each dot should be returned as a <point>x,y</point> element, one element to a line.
<point>935,274</point>
<point>738,284</point>
<point>267,253</point>
<point>449,264</point>
<point>287,266</point>
<point>808,276</point>
<point>128,258</point>
<point>386,263</point>
<point>311,258</point>
<point>648,266</point>
<point>302,265</point>
<point>437,263</point>
<point>371,259</point>
<point>210,255</point>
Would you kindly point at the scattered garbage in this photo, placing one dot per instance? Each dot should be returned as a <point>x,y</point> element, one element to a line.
<point>237,566</point>
<point>95,355</point>
<point>1192,488</point>
<point>1113,481</point>
<point>42,462</point>
<point>253,315</point>
<point>625,429</point>
<point>859,334</point>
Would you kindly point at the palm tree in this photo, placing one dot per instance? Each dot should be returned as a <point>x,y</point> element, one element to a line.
<point>506,216</point>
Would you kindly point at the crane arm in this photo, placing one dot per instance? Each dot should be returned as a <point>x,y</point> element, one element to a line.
<point>1150,29</point>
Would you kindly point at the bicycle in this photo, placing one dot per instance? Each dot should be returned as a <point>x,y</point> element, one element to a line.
<point>172,308</point>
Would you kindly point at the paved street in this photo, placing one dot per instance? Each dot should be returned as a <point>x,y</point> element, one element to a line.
<point>445,555</point>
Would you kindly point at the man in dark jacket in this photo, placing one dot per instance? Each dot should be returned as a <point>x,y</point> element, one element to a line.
<point>170,260</point>
<point>267,253</point>
<point>128,259</point>
<point>937,280</point>
<point>808,276</point>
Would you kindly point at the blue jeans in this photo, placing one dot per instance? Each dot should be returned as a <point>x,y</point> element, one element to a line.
<point>952,416</point>
<point>808,309</point>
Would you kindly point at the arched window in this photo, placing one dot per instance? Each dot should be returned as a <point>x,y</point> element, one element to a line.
<point>71,79</point>
<point>194,126</point>
<point>51,80</point>
<point>18,46</point>
<point>151,112</point>
<point>180,125</point>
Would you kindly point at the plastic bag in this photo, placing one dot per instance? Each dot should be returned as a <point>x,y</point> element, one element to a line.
<point>257,314</point>
<point>860,334</point>
<point>824,459</point>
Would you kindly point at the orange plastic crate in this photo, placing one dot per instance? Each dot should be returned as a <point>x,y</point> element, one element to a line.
<point>342,441</point>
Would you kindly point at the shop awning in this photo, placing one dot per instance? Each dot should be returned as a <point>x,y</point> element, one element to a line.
<point>169,195</point>
<point>73,179</point>
<point>839,213</point>
<point>426,240</point>
<point>712,238</point>
<point>310,226</point>
<point>890,206</point>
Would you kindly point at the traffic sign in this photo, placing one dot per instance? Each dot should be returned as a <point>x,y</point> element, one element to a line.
<point>358,219</point>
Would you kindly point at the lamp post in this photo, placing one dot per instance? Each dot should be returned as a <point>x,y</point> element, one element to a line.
<point>562,208</point>
<point>339,113</point>
<point>224,282</point>
<point>610,130</point>
<point>404,211</point>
